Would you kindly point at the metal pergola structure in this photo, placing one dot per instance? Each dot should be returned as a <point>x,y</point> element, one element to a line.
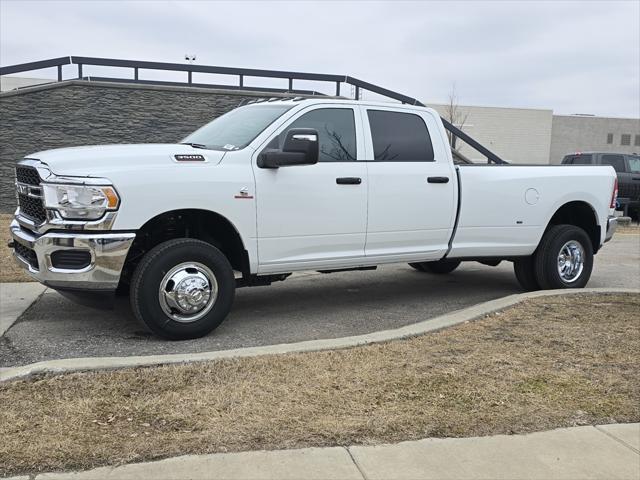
<point>241,74</point>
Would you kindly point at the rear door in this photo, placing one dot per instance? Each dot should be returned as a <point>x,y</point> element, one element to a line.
<point>412,185</point>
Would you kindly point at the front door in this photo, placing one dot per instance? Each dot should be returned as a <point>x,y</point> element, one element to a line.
<point>412,194</point>
<point>312,216</point>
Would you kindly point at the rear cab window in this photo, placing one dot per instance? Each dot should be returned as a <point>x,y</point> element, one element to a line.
<point>578,159</point>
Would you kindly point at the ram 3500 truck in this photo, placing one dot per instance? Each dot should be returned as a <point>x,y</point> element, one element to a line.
<point>281,186</point>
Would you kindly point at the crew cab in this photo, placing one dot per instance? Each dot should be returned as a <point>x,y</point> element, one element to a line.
<point>280,186</point>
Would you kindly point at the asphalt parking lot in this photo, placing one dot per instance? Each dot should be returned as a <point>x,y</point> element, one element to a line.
<point>305,307</point>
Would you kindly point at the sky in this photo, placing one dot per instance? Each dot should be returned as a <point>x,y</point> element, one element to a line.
<point>568,56</point>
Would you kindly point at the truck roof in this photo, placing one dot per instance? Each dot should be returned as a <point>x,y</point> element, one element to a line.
<point>321,100</point>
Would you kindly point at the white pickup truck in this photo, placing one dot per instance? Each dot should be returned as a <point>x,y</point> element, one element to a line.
<point>281,186</point>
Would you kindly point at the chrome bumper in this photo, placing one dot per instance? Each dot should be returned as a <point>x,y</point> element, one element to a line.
<point>108,252</point>
<point>612,224</point>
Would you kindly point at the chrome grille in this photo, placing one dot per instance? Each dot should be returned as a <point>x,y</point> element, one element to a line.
<point>28,175</point>
<point>26,254</point>
<point>32,207</point>
<point>30,194</point>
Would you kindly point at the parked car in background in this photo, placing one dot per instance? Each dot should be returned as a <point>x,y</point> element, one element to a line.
<point>627,168</point>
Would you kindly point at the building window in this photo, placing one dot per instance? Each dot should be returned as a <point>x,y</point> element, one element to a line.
<point>609,138</point>
<point>636,142</point>
<point>625,139</point>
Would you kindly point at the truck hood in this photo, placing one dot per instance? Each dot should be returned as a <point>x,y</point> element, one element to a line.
<point>101,160</point>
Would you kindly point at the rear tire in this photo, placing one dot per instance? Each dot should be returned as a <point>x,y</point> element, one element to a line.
<point>525,274</point>
<point>440,267</point>
<point>182,289</point>
<point>564,258</point>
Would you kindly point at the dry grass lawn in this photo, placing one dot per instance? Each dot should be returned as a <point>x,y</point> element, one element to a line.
<point>10,271</point>
<point>550,362</point>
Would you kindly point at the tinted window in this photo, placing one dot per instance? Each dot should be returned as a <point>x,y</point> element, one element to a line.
<point>577,159</point>
<point>399,137</point>
<point>336,130</point>
<point>616,161</point>
<point>634,164</point>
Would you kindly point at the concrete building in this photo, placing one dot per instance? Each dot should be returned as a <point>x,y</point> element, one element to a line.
<point>526,135</point>
<point>574,133</point>
<point>518,135</point>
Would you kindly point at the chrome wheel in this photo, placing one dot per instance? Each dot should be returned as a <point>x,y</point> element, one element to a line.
<point>188,292</point>
<point>571,261</point>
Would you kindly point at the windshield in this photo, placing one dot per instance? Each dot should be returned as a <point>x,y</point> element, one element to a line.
<point>236,129</point>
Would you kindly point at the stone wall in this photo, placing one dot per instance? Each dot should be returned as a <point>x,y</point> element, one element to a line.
<point>91,113</point>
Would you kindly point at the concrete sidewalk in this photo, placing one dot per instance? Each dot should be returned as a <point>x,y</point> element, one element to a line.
<point>602,452</point>
<point>15,298</point>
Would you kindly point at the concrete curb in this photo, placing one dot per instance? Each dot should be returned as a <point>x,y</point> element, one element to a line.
<point>15,299</point>
<point>433,324</point>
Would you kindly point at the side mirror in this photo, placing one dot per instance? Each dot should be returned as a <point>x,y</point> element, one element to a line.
<point>300,148</point>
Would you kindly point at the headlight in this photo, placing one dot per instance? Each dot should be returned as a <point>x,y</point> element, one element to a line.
<point>80,202</point>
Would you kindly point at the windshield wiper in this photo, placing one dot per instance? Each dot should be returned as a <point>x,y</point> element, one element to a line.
<point>195,145</point>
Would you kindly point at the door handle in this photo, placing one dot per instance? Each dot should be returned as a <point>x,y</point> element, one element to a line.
<point>348,180</point>
<point>438,179</point>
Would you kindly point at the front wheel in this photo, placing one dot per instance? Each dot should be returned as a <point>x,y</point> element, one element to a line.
<point>564,258</point>
<point>440,267</point>
<point>182,289</point>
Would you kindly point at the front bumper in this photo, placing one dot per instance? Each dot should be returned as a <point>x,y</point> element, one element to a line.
<point>612,224</point>
<point>107,251</point>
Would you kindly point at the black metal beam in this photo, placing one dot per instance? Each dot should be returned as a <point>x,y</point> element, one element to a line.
<point>492,157</point>
<point>25,67</point>
<point>181,67</point>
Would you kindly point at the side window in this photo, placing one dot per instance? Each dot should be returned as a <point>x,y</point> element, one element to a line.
<point>336,130</point>
<point>634,163</point>
<point>616,161</point>
<point>399,137</point>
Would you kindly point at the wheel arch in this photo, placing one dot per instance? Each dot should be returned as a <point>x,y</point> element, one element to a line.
<point>205,225</point>
<point>581,214</point>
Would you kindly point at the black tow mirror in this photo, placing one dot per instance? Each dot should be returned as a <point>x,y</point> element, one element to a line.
<point>300,148</point>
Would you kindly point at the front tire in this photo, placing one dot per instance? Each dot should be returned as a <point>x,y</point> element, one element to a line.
<point>564,258</point>
<point>182,289</point>
<point>440,267</point>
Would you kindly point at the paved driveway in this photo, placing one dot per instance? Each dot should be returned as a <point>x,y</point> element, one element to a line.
<point>308,306</point>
